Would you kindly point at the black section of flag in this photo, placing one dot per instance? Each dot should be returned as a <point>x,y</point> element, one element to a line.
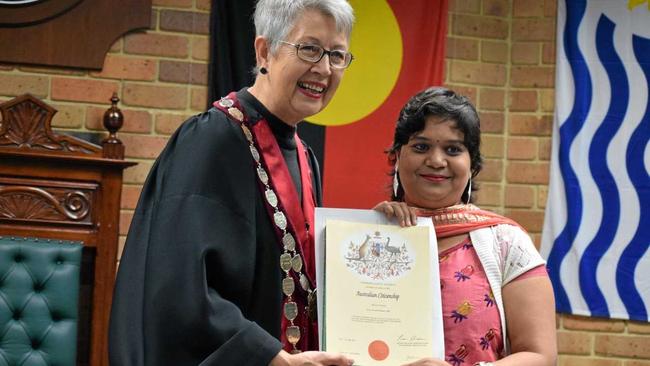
<point>232,55</point>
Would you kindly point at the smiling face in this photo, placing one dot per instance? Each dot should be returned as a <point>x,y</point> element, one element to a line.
<point>434,166</point>
<point>294,89</point>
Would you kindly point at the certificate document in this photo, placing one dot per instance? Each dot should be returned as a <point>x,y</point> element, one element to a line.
<point>379,290</point>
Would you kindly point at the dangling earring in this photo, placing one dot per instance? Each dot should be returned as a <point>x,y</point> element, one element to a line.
<point>395,182</point>
<point>469,190</point>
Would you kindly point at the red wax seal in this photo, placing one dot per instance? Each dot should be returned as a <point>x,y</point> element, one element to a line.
<point>378,350</point>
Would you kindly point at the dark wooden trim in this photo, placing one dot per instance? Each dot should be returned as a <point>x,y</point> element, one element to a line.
<point>34,13</point>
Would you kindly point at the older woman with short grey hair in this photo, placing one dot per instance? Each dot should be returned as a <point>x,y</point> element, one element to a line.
<point>218,266</point>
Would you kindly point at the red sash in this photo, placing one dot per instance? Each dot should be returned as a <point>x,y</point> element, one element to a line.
<point>300,217</point>
<point>299,213</point>
<point>461,219</point>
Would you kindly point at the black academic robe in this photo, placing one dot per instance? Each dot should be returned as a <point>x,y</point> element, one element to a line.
<point>199,279</point>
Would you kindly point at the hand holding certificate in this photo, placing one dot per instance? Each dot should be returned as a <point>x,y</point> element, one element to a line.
<point>381,299</point>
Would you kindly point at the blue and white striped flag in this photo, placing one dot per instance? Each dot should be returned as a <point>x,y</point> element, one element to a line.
<point>597,228</point>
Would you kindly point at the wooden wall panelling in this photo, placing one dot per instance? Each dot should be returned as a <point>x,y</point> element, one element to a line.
<point>68,33</point>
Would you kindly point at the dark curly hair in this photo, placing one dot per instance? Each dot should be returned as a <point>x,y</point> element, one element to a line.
<point>445,104</point>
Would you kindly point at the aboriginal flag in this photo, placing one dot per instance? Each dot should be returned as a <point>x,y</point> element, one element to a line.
<point>399,50</point>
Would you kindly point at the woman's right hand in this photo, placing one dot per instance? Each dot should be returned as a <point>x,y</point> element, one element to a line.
<point>310,358</point>
<point>405,215</point>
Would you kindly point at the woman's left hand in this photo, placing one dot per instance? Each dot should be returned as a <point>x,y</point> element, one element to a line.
<point>405,215</point>
<point>428,362</point>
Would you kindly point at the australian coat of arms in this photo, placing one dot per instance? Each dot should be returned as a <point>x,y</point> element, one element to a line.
<point>376,258</point>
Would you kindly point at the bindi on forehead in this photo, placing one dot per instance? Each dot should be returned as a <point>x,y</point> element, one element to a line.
<point>437,140</point>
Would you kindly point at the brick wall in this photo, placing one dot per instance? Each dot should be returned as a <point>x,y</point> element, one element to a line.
<point>499,52</point>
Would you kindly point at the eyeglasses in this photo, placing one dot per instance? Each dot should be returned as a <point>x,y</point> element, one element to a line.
<point>314,53</point>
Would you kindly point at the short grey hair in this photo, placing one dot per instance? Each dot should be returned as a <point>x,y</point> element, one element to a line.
<point>275,18</point>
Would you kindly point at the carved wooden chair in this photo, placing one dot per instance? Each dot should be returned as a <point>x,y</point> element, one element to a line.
<point>59,217</point>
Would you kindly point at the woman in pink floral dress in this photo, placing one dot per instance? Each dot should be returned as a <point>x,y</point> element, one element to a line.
<point>497,300</point>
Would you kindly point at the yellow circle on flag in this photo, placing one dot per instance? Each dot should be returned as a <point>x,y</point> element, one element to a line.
<point>376,42</point>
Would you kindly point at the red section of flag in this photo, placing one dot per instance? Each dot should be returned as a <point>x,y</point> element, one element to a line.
<point>355,171</point>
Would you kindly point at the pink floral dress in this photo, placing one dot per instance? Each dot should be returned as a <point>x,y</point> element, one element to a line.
<point>470,316</point>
